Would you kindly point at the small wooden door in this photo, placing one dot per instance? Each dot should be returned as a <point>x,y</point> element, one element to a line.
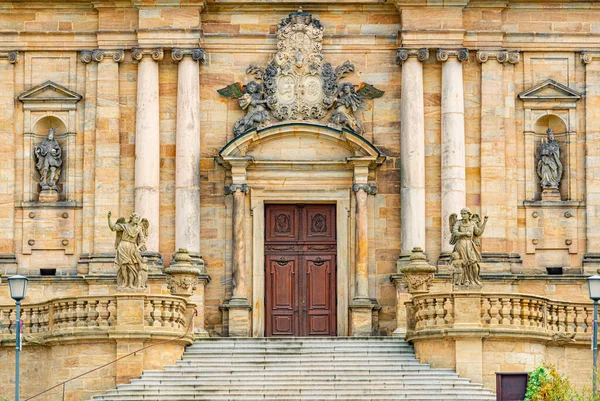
<point>300,270</point>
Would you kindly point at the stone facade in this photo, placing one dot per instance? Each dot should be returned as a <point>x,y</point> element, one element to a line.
<point>130,87</point>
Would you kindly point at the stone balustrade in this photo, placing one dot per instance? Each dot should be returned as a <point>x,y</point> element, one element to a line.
<point>500,314</point>
<point>98,316</point>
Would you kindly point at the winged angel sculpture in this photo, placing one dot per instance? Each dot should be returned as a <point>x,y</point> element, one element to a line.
<point>298,84</point>
<point>466,234</point>
<point>130,241</point>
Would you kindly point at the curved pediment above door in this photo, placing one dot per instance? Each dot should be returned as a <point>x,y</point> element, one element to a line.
<point>301,143</point>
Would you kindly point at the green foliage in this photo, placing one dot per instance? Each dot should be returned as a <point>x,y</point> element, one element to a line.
<point>546,384</point>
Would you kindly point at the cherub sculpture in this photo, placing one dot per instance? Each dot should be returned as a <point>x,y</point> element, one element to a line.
<point>132,273</point>
<point>349,102</point>
<point>252,99</point>
<point>465,238</point>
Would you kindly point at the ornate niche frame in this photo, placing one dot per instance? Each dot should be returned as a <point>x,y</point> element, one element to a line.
<point>54,101</point>
<point>552,101</point>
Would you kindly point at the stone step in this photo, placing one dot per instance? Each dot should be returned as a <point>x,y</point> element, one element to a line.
<point>299,369</point>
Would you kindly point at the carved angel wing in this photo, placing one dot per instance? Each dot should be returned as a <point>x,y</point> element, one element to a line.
<point>475,218</point>
<point>120,220</point>
<point>145,225</point>
<point>258,72</point>
<point>367,91</point>
<point>343,70</point>
<point>452,219</point>
<point>233,91</point>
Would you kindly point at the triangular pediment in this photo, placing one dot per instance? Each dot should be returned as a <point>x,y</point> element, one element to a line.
<point>50,92</point>
<point>549,90</point>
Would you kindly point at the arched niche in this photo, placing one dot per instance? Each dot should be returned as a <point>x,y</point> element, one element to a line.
<point>561,135</point>
<point>43,124</point>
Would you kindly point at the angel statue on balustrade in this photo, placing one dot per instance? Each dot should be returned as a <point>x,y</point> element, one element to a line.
<point>465,259</point>
<point>130,241</point>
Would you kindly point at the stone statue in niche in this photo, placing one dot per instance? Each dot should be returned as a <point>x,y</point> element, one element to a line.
<point>132,269</point>
<point>549,167</point>
<point>465,259</point>
<point>298,85</point>
<point>49,161</point>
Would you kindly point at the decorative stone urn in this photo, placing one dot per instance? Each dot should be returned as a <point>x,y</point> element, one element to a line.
<point>418,274</point>
<point>183,277</point>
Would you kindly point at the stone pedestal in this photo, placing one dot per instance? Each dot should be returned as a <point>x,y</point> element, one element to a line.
<point>239,317</point>
<point>361,319</point>
<point>130,318</point>
<point>468,341</point>
<point>551,194</point>
<point>187,279</point>
<point>48,195</point>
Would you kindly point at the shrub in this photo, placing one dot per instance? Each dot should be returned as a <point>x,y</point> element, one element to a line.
<point>546,384</point>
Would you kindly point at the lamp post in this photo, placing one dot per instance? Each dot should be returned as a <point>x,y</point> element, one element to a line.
<point>18,288</point>
<point>594,288</point>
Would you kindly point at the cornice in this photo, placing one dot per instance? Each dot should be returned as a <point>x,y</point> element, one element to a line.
<point>444,54</point>
<point>501,56</point>
<point>404,54</point>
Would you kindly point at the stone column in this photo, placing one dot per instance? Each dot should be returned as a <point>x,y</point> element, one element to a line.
<point>453,138</point>
<point>147,145</point>
<point>107,151</point>
<point>8,261</point>
<point>412,150</point>
<point>187,173</point>
<point>361,306</point>
<point>591,260</point>
<point>238,306</point>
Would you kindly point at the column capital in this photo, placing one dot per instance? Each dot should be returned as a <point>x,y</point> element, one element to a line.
<point>370,189</point>
<point>87,56</point>
<point>233,188</point>
<point>403,54</point>
<point>445,54</point>
<point>12,56</point>
<point>197,54</point>
<point>156,53</point>
<point>501,56</point>
<point>588,57</point>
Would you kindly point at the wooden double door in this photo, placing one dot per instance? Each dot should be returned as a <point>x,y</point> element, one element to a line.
<point>300,270</point>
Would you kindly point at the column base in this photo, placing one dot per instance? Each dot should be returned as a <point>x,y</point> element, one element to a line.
<point>239,317</point>
<point>155,262</point>
<point>97,263</point>
<point>361,320</point>
<point>201,333</point>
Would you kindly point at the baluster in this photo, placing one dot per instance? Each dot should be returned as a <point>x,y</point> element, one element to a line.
<point>562,318</point>
<point>157,313</point>
<point>505,311</point>
<point>35,319</point>
<point>494,310</point>
<point>449,306</point>
<point>579,319</point>
<point>515,311</point>
<point>419,314</point>
<point>103,313</point>
<point>552,317</point>
<point>4,320</point>
<point>533,312</point>
<point>570,321</point>
<point>26,316</point>
<point>92,314</point>
<point>525,312</point>
<point>439,312</point>
<point>485,310</point>
<point>44,318</point>
<point>81,313</point>
<point>60,315</point>
<point>112,312</point>
<point>167,314</point>
<point>589,320</point>
<point>71,313</point>
<point>430,312</point>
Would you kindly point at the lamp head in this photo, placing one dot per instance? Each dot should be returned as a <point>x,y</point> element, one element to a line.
<point>18,287</point>
<point>594,287</point>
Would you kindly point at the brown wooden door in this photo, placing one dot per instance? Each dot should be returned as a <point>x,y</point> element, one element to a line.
<point>300,270</point>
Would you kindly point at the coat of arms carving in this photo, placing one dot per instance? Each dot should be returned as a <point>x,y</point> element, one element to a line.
<point>298,84</point>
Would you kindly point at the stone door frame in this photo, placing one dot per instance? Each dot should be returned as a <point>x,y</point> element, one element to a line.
<point>341,198</point>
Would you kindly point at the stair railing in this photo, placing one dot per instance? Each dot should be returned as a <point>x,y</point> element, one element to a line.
<point>63,384</point>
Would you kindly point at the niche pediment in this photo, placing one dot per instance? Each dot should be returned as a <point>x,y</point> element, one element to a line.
<point>49,96</point>
<point>550,91</point>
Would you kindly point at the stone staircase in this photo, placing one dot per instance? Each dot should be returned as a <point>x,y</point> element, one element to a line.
<point>299,369</point>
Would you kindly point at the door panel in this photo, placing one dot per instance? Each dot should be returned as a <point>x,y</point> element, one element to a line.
<point>300,267</point>
<point>282,319</point>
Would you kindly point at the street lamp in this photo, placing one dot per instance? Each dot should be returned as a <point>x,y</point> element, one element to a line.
<point>18,288</point>
<point>594,288</point>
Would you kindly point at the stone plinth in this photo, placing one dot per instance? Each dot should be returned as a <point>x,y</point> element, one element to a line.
<point>48,195</point>
<point>550,194</point>
<point>239,317</point>
<point>361,319</point>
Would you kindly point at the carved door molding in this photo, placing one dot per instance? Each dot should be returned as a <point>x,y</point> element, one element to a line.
<point>300,270</point>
